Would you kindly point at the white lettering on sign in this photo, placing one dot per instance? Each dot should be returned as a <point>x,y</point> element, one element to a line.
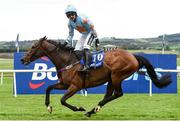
<point>43,75</point>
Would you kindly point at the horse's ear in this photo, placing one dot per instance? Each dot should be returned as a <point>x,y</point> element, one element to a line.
<point>44,38</point>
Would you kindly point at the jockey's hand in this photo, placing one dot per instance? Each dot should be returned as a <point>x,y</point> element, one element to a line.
<point>97,42</point>
<point>65,43</point>
<point>68,44</point>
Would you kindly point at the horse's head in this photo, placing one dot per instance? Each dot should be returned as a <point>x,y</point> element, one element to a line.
<point>50,48</point>
<point>35,52</point>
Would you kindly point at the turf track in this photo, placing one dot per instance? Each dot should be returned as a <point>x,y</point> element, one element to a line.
<point>128,107</point>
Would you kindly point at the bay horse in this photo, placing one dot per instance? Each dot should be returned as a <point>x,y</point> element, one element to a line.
<point>117,66</point>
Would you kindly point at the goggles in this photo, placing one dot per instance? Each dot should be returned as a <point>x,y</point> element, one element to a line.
<point>70,14</point>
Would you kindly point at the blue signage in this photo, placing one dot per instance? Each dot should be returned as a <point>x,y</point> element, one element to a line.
<point>37,82</point>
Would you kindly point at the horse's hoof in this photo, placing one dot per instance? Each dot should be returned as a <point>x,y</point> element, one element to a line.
<point>88,114</point>
<point>97,109</point>
<point>49,108</point>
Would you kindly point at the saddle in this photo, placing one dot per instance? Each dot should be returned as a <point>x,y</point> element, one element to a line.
<point>96,58</point>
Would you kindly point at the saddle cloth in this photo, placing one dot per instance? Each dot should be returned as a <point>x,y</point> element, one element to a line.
<point>97,58</point>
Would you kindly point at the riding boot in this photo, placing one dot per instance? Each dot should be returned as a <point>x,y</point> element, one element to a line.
<point>87,59</point>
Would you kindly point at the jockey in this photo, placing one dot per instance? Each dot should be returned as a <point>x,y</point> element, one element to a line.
<point>88,34</point>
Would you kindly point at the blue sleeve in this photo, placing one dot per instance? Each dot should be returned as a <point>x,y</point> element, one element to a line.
<point>88,24</point>
<point>71,34</point>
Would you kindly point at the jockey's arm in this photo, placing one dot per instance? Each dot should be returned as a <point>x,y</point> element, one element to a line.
<point>89,25</point>
<point>71,34</point>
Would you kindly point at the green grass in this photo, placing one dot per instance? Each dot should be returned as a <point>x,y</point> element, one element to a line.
<point>128,107</point>
<point>178,61</point>
<point>6,63</point>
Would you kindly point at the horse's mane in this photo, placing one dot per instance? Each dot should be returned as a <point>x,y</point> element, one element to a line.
<point>60,45</point>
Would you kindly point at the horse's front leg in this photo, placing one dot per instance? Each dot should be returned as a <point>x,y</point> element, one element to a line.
<point>70,92</point>
<point>58,86</point>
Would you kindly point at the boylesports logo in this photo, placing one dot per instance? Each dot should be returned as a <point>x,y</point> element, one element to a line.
<point>38,78</point>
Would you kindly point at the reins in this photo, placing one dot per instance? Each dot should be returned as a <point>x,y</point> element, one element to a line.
<point>68,67</point>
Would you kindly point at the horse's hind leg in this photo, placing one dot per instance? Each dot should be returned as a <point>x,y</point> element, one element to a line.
<point>70,92</point>
<point>109,90</point>
<point>117,93</point>
<point>59,86</point>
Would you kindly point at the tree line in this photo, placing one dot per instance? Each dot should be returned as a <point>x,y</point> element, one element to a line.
<point>170,42</point>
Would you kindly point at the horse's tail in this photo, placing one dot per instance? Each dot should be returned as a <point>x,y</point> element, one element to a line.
<point>164,81</point>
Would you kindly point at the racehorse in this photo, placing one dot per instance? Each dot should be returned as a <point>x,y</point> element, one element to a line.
<point>117,66</point>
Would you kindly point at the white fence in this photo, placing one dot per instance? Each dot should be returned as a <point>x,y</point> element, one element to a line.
<point>22,71</point>
<point>83,92</point>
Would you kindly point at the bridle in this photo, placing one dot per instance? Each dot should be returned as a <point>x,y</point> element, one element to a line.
<point>66,66</point>
<point>42,49</point>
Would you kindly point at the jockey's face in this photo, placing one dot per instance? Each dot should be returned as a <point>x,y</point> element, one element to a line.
<point>71,16</point>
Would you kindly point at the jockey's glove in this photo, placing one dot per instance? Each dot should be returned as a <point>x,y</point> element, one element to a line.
<point>68,43</point>
<point>97,42</point>
<point>65,43</point>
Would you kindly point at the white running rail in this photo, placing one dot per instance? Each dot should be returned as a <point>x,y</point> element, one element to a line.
<point>22,71</point>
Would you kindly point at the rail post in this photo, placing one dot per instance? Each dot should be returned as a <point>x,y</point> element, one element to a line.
<point>150,87</point>
<point>14,84</point>
<point>1,78</point>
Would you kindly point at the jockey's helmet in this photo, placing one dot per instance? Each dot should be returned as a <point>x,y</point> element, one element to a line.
<point>70,10</point>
